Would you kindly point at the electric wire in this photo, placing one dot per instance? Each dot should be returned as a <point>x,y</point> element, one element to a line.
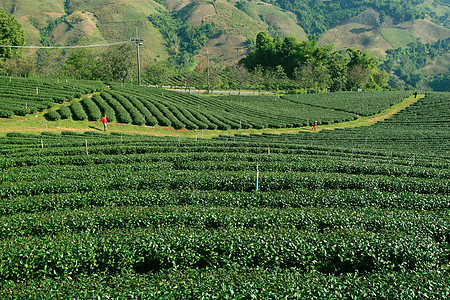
<point>67,47</point>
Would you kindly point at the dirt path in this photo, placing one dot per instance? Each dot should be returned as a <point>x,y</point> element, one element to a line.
<point>370,120</point>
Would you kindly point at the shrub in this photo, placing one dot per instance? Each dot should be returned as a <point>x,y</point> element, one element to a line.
<point>135,114</point>
<point>91,109</point>
<point>104,107</point>
<point>160,118</point>
<point>65,112</point>
<point>49,133</point>
<point>52,115</point>
<point>122,114</point>
<point>150,120</point>
<point>67,132</point>
<point>4,113</point>
<point>22,111</point>
<point>77,111</point>
<point>94,133</point>
<point>16,134</point>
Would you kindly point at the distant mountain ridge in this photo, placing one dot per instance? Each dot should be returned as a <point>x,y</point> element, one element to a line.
<point>80,22</point>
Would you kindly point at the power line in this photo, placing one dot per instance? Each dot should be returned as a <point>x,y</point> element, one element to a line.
<point>138,42</point>
<point>66,47</point>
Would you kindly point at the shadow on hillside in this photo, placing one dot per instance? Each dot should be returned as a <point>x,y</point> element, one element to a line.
<point>93,127</point>
<point>359,30</point>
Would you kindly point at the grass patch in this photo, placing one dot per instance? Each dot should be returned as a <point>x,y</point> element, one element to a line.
<point>439,66</point>
<point>397,37</point>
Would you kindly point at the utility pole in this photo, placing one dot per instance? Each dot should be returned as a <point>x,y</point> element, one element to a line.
<point>207,64</point>
<point>138,42</point>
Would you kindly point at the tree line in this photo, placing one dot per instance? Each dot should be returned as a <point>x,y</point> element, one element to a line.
<point>314,66</point>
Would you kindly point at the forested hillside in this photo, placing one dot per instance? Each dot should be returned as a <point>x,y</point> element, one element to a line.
<point>318,16</point>
<point>189,33</point>
<point>407,63</point>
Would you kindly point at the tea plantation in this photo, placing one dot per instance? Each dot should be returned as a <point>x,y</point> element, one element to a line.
<point>138,105</point>
<point>359,213</point>
<point>22,96</point>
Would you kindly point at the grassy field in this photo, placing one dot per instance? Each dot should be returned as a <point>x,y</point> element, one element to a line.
<point>397,37</point>
<point>439,66</point>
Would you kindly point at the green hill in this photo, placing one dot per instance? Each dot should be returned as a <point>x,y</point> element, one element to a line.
<point>90,22</point>
<point>220,33</point>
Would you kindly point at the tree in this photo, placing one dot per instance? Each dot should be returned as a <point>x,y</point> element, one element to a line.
<point>280,77</point>
<point>11,34</point>
<point>80,64</point>
<point>239,76</point>
<point>214,78</point>
<point>360,69</point>
<point>117,63</point>
<point>290,54</point>
<point>49,62</point>
<point>257,77</point>
<point>357,57</point>
<point>381,78</point>
<point>313,75</point>
<point>266,54</point>
<point>441,83</point>
<point>304,75</point>
<point>338,72</point>
<point>358,77</point>
<point>20,67</point>
<point>158,72</point>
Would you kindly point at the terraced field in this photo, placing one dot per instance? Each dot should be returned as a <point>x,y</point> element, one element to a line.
<point>130,104</point>
<point>350,213</point>
<point>22,96</point>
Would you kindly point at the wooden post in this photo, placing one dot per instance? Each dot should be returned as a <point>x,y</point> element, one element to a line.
<point>42,144</point>
<point>87,153</point>
<point>257,176</point>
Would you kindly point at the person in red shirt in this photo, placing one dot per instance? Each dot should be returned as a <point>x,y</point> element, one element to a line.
<point>315,125</point>
<point>105,122</point>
